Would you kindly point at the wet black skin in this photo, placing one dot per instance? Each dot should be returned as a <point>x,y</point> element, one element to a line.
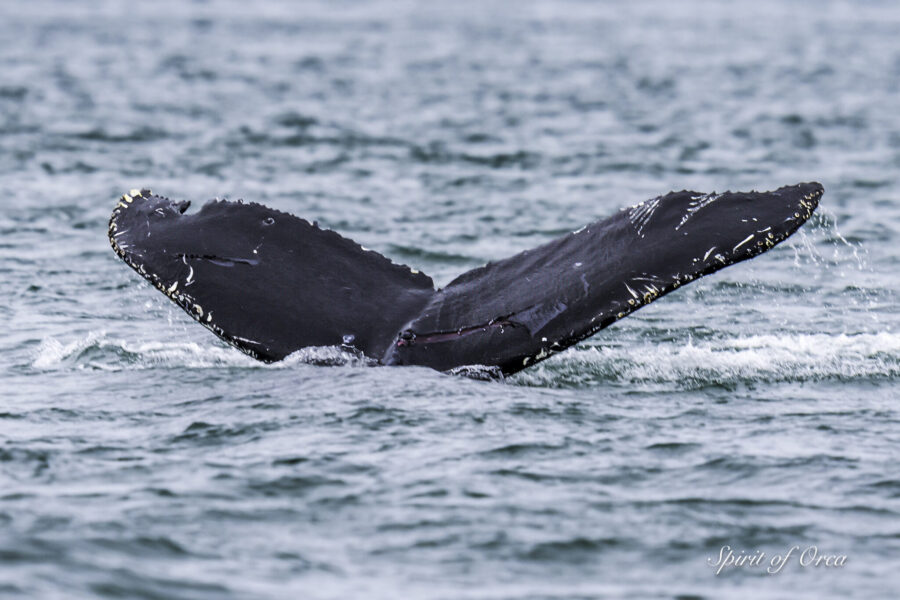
<point>270,283</point>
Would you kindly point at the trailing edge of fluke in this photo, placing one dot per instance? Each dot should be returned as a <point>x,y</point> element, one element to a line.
<point>270,283</point>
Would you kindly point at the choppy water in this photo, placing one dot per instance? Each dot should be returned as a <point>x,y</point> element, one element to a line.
<point>758,408</point>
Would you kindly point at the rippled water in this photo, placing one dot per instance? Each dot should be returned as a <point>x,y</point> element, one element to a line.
<point>756,409</point>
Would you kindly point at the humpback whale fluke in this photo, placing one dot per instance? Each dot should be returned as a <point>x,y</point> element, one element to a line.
<point>270,283</point>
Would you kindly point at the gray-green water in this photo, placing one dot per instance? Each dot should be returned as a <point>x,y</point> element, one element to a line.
<point>757,408</point>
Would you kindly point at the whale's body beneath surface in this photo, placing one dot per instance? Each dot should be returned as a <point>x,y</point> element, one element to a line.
<point>270,283</point>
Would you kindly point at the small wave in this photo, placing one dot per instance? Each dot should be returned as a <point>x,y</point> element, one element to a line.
<point>478,372</point>
<point>141,134</point>
<point>437,153</point>
<point>574,549</point>
<point>763,358</point>
<point>97,352</point>
<point>329,356</point>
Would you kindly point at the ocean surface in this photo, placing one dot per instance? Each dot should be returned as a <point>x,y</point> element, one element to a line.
<point>756,409</point>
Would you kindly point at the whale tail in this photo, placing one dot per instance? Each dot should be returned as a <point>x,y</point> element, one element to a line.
<point>271,283</point>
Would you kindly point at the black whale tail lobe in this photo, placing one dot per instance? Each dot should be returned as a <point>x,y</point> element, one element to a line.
<point>265,281</point>
<point>270,283</point>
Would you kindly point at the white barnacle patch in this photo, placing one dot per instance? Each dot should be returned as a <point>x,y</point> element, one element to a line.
<point>640,214</point>
<point>172,288</point>
<point>651,292</point>
<point>576,265</point>
<point>134,192</point>
<point>199,309</point>
<point>747,239</point>
<point>695,205</point>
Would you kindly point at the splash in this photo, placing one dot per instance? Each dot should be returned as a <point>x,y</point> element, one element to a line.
<point>823,230</point>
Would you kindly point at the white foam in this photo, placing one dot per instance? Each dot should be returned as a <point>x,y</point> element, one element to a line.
<point>763,358</point>
<point>97,351</point>
<point>52,352</point>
